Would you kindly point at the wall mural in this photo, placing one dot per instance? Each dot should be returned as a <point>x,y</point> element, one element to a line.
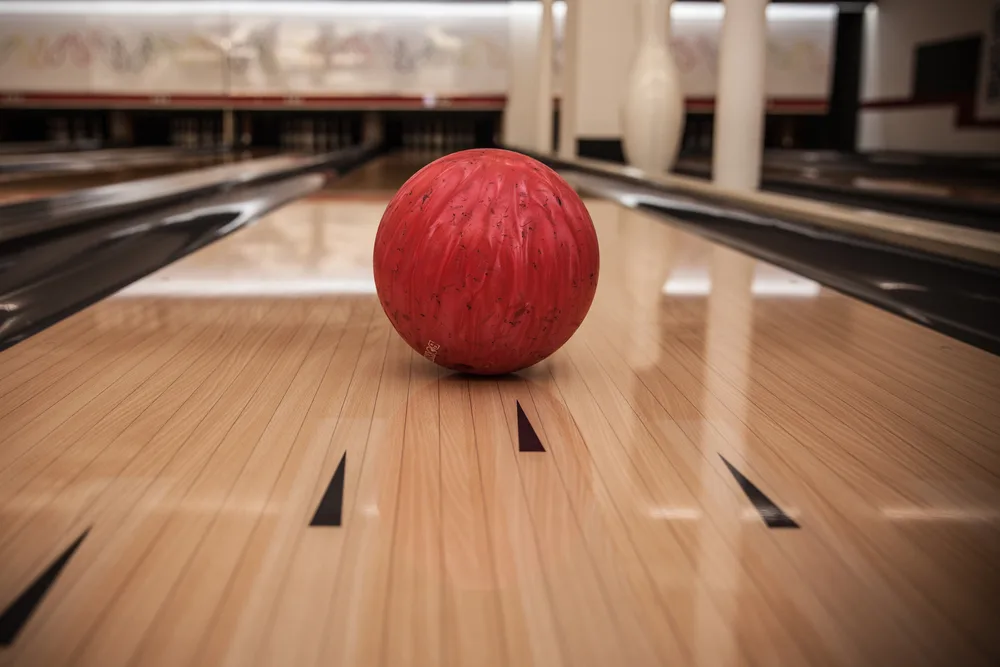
<point>343,56</point>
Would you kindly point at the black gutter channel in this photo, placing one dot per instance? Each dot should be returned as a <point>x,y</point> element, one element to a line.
<point>955,298</point>
<point>963,213</point>
<point>46,278</point>
<point>962,302</point>
<point>79,160</point>
<point>53,213</point>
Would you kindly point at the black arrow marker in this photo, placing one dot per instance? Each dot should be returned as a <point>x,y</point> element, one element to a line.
<point>769,512</point>
<point>17,614</point>
<point>328,512</point>
<point>527,439</point>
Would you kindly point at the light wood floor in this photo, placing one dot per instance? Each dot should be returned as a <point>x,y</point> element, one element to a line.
<point>193,423</point>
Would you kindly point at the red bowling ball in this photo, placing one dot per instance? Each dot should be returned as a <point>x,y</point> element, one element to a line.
<point>486,261</point>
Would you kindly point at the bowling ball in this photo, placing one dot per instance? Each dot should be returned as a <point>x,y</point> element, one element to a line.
<point>486,261</point>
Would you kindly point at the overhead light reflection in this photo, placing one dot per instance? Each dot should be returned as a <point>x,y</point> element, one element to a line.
<point>248,288</point>
<point>695,514</point>
<point>688,287</point>
<point>764,287</point>
<point>897,287</point>
<point>675,513</point>
<point>785,288</point>
<point>801,12</point>
<point>264,8</point>
<point>939,514</point>
<point>712,11</point>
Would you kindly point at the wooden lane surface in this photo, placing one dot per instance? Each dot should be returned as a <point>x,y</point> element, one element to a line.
<point>194,423</point>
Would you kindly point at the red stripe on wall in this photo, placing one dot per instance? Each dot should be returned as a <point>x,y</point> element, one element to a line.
<point>492,102</point>
<point>806,105</point>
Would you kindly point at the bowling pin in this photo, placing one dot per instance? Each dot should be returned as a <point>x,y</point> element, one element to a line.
<point>335,134</point>
<point>653,112</point>
<point>206,133</point>
<point>321,136</point>
<point>62,131</point>
<point>308,138</point>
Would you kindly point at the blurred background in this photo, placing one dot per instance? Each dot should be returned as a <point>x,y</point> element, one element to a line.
<point>917,76</point>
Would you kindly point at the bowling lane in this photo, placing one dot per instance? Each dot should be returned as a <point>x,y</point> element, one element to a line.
<point>194,427</point>
<point>380,177</point>
<point>798,168</point>
<point>941,194</point>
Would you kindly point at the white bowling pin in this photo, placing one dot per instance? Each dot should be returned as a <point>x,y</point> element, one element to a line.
<point>653,112</point>
<point>308,136</point>
<point>334,134</point>
<point>321,136</point>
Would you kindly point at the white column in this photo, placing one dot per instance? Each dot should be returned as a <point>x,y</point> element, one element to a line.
<point>519,114</point>
<point>568,101</point>
<point>739,105</point>
<point>543,100</point>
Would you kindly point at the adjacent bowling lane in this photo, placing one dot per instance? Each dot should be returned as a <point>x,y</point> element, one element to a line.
<point>113,167</point>
<point>739,467</point>
<point>798,168</point>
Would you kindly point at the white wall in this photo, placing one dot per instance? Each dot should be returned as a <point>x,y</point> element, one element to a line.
<point>923,130</point>
<point>893,29</point>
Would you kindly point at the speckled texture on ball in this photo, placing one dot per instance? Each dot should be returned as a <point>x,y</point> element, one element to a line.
<point>486,261</point>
